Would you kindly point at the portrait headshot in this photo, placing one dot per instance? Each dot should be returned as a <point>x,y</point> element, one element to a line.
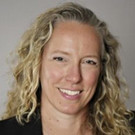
<point>67,73</point>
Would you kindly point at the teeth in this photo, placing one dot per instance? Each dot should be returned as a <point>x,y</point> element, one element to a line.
<point>69,92</point>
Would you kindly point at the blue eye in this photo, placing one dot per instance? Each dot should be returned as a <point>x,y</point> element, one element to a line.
<point>58,58</point>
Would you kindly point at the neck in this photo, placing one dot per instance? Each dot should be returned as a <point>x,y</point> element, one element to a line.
<point>57,123</point>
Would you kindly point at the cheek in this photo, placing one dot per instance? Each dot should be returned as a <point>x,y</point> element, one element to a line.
<point>91,79</point>
<point>51,74</point>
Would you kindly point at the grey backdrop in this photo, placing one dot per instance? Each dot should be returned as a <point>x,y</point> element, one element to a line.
<point>17,15</point>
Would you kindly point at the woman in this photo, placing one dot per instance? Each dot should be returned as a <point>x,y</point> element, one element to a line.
<point>67,78</point>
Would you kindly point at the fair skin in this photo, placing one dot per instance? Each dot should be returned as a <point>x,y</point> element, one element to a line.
<point>69,75</point>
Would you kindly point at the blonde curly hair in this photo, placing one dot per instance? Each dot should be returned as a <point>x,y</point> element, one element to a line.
<point>107,110</point>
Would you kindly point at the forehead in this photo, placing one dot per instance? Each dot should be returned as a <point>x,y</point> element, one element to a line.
<point>76,28</point>
<point>74,34</point>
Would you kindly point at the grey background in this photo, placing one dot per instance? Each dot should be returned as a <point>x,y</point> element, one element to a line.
<point>17,15</point>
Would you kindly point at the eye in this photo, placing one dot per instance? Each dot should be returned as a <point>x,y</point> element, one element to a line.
<point>92,62</point>
<point>58,59</point>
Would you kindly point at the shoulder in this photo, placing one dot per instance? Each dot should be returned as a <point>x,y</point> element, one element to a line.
<point>9,126</point>
<point>12,127</point>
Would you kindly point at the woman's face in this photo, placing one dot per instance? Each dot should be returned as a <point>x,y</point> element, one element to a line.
<point>70,67</point>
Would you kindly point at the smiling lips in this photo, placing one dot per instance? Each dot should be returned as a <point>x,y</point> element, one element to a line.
<point>70,92</point>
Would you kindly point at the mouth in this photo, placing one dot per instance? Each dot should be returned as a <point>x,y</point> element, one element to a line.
<point>70,92</point>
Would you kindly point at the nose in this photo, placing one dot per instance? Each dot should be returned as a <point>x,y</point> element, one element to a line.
<point>73,74</point>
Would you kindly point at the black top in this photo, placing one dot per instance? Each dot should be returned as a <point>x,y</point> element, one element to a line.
<point>34,127</point>
<point>12,127</point>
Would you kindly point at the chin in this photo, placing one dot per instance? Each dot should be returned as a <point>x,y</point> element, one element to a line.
<point>72,110</point>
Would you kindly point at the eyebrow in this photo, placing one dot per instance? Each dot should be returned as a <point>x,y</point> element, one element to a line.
<point>66,53</point>
<point>93,56</point>
<point>59,51</point>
